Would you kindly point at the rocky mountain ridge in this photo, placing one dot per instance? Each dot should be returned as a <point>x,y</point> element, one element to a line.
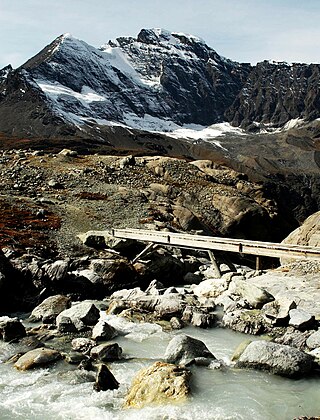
<point>158,81</point>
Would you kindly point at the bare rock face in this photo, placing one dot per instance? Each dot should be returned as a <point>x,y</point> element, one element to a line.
<point>275,358</point>
<point>267,95</point>
<point>307,234</point>
<point>240,214</point>
<point>160,383</point>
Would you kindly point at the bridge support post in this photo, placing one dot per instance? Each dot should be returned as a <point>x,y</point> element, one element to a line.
<point>144,251</point>
<point>258,263</point>
<point>214,263</point>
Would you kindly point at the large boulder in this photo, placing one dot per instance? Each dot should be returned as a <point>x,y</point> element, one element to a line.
<point>307,234</point>
<point>254,295</point>
<point>106,352</point>
<point>36,358</point>
<point>275,358</point>
<point>242,217</point>
<point>277,312</point>
<point>105,380</point>
<point>162,266</point>
<point>301,319</point>
<point>101,239</point>
<point>249,321</point>
<point>160,383</point>
<point>11,328</point>
<point>211,287</point>
<point>56,271</point>
<point>103,331</point>
<point>111,274</point>
<point>78,318</point>
<point>50,308</point>
<point>13,290</point>
<point>185,218</point>
<point>294,338</point>
<point>170,305</point>
<point>186,350</point>
<point>313,340</point>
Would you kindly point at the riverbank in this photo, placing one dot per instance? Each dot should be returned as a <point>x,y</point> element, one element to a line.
<point>88,315</point>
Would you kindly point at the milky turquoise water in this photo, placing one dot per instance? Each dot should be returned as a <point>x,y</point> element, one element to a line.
<point>55,393</point>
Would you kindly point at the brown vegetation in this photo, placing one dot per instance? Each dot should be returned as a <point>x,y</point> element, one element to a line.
<point>21,226</point>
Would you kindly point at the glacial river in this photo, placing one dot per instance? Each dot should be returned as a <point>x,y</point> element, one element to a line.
<point>61,391</point>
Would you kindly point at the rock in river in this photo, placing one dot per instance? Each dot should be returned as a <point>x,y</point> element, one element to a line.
<point>105,379</point>
<point>37,357</point>
<point>160,383</point>
<point>102,331</point>
<point>78,317</point>
<point>275,358</point>
<point>50,308</point>
<point>11,328</point>
<point>106,352</point>
<point>185,350</point>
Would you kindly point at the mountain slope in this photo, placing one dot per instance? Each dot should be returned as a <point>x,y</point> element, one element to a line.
<point>276,93</point>
<point>159,92</point>
<point>159,75</point>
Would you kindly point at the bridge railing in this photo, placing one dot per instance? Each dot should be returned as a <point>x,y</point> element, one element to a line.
<point>242,246</point>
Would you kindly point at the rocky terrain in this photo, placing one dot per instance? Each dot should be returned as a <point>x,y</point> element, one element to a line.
<point>49,200</point>
<point>58,196</point>
<point>170,94</point>
<point>90,141</point>
<point>83,290</point>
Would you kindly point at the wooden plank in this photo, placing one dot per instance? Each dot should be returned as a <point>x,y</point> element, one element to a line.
<point>268,249</point>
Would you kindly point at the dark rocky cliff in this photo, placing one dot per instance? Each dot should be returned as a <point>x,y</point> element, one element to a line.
<point>276,93</point>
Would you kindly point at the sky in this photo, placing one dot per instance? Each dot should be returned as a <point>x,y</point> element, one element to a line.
<point>242,30</point>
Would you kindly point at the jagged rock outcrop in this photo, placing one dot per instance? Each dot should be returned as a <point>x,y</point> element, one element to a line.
<point>307,234</point>
<point>276,93</point>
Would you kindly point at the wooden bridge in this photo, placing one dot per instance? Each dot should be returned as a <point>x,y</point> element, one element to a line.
<point>210,243</point>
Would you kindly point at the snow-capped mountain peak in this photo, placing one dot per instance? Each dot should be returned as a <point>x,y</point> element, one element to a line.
<point>159,75</point>
<point>158,81</point>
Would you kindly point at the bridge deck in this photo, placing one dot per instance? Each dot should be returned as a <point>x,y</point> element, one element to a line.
<point>268,249</point>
